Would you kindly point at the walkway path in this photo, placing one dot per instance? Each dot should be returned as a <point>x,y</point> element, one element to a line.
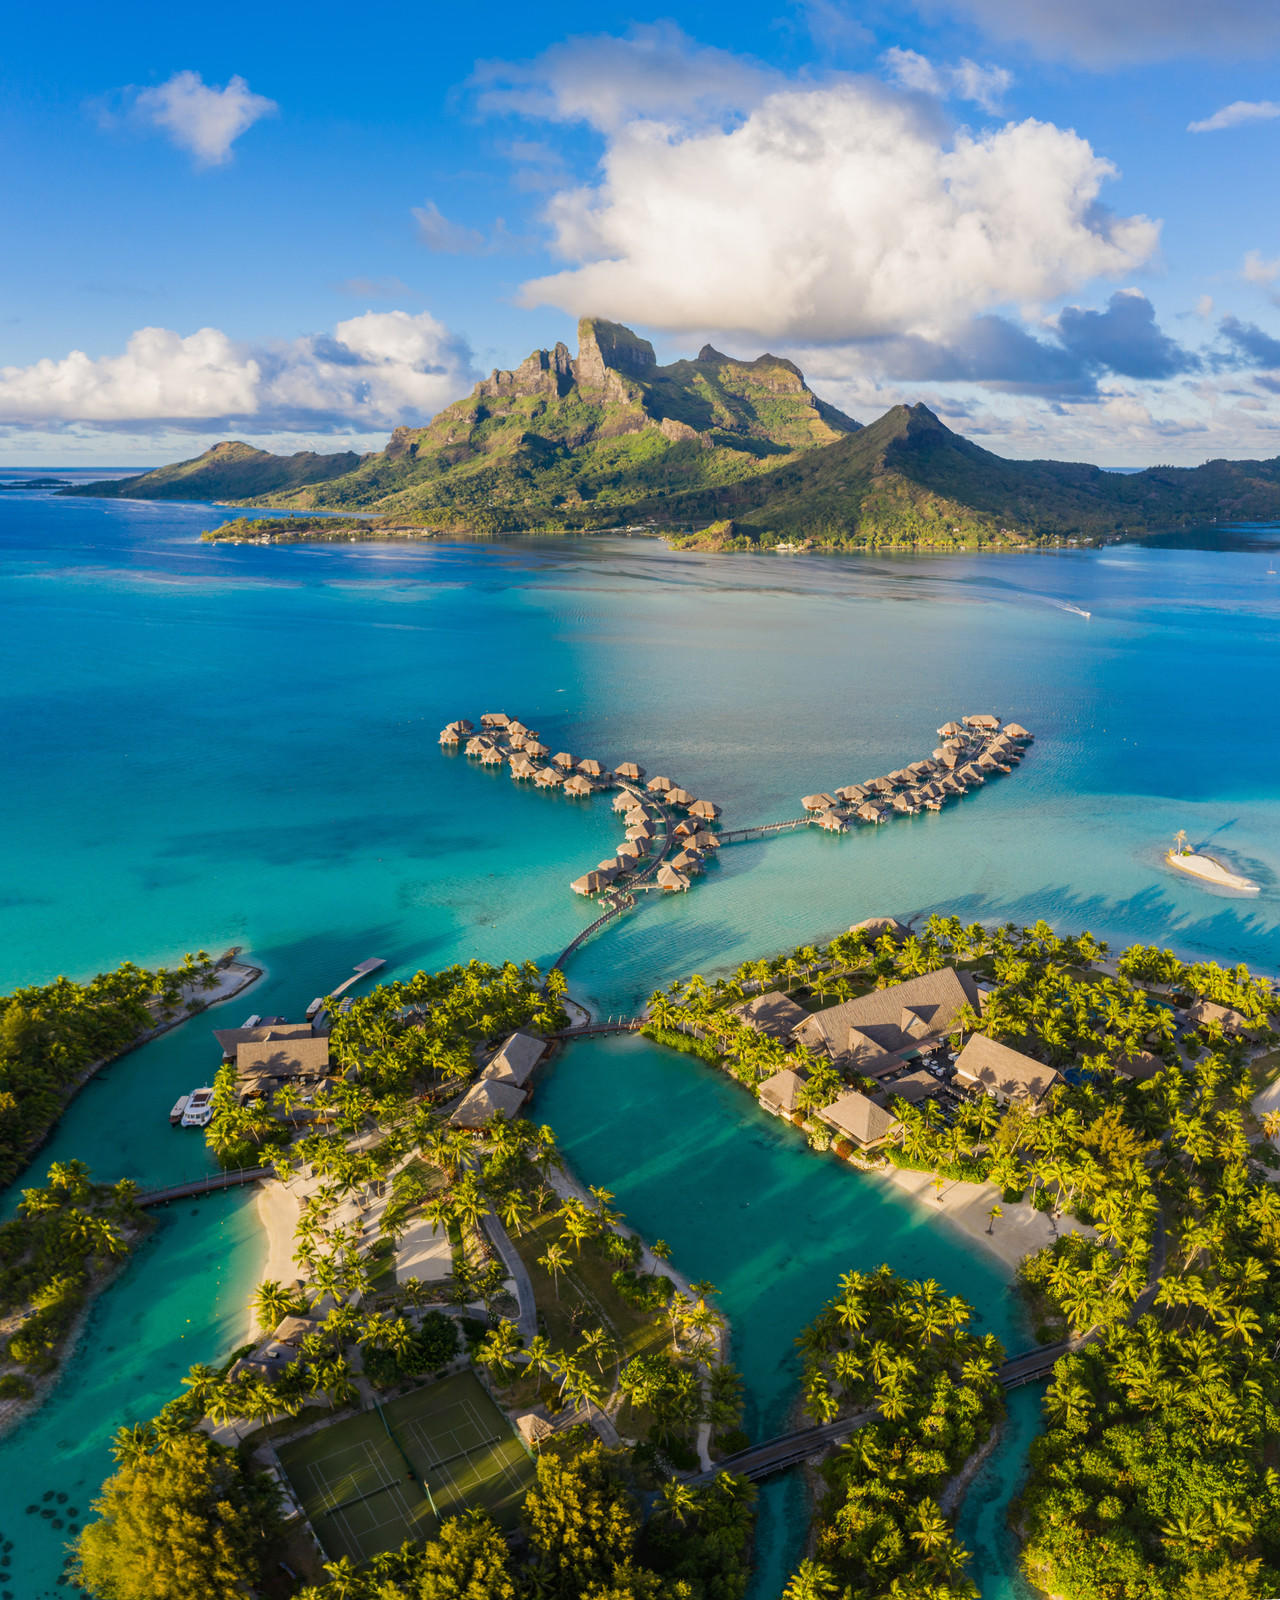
<point>619,900</point>
<point>207,1185</point>
<point>527,1319</point>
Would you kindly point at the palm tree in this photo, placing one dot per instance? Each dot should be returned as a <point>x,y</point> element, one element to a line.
<point>811,1581</point>
<point>995,1212</point>
<point>555,1261</point>
<point>932,1530</point>
<point>272,1303</point>
<point>597,1343</point>
<point>679,1501</point>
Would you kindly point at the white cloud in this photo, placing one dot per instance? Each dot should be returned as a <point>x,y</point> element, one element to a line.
<point>1101,33</point>
<point>1204,306</point>
<point>1237,112</point>
<point>448,238</point>
<point>655,70</point>
<point>1257,269</point>
<point>963,80</point>
<point>375,370</point>
<point>202,118</point>
<point>836,213</point>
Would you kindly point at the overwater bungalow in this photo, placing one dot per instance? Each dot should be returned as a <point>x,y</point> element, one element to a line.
<point>707,810</point>
<point>534,750</point>
<point>671,881</point>
<point>851,794</point>
<point>954,785</point>
<point>687,862</point>
<point>590,882</point>
<point>564,761</point>
<point>685,829</point>
<point>455,732</point>
<point>705,841</point>
<point>522,768</point>
<point>549,778</point>
<point>629,852</point>
<point>867,812</point>
<point>478,745</point>
<point>516,727</point>
<point>818,802</point>
<point>883,786</point>
<point>610,864</point>
<point>642,833</point>
<point>903,804</point>
<point>577,786</point>
<point>1015,730</point>
<point>971,775</point>
<point>591,768</point>
<point>680,797</point>
<point>516,741</point>
<point>629,771</point>
<point>950,730</point>
<point>833,822</point>
<point>623,801</point>
<point>660,785</point>
<point>983,721</point>
<point>492,757</point>
<point>494,719</point>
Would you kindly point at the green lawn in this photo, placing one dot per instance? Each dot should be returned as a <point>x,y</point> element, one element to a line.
<point>369,1482</point>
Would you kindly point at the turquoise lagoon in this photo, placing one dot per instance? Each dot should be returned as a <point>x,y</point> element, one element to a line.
<point>214,745</point>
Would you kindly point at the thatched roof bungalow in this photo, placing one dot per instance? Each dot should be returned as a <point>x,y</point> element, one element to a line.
<point>549,778</point>
<point>629,851</point>
<point>705,841</point>
<point>913,1087</point>
<point>660,785</point>
<point>485,1100</point>
<point>516,727</point>
<point>780,1094</point>
<point>818,802</point>
<point>591,768</point>
<point>867,812</point>
<point>855,1117</point>
<point>685,829</point>
<point>515,1059</point>
<point>629,771</point>
<point>577,786</point>
<point>1003,1073</point>
<point>1015,730</point>
<point>983,721</point>
<point>623,801</point>
<point>901,1019</point>
<point>1210,1011</point>
<point>950,730</point>
<point>563,760</point>
<point>1139,1067</point>
<point>517,741</point>
<point>494,719</point>
<point>492,757</point>
<point>708,810</point>
<point>680,797</point>
<point>687,862</point>
<point>880,786</point>
<point>590,883</point>
<point>903,804</point>
<point>671,881</point>
<point>877,927</point>
<point>534,750</point>
<point>522,768</point>
<point>833,822</point>
<point>851,793</point>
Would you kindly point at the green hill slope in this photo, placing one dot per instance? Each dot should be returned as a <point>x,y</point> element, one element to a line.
<point>564,441</point>
<point>229,471</point>
<point>908,479</point>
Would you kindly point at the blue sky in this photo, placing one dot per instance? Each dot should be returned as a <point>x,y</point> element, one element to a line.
<point>298,227</point>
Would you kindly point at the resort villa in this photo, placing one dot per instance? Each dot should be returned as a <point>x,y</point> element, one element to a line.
<point>504,1085</point>
<point>780,1094</point>
<point>877,1033</point>
<point>774,1014</point>
<point>854,1117</point>
<point>1004,1074</point>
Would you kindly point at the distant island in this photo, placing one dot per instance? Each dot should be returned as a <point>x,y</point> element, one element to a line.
<point>712,453</point>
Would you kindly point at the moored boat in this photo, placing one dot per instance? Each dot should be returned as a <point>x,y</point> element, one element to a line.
<point>179,1106</point>
<point>198,1112</point>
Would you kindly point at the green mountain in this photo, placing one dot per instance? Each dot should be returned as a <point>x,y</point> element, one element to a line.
<point>565,441</point>
<point>230,471</point>
<point>907,479</point>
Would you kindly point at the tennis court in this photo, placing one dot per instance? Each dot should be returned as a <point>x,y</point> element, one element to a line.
<point>368,1483</point>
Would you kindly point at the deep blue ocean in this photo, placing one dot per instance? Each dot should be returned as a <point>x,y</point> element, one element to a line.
<point>207,745</point>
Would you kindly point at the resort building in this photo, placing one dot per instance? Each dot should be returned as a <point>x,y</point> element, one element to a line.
<point>780,1094</point>
<point>913,1087</point>
<point>515,1060</point>
<point>855,1117</point>
<point>1139,1067</point>
<point>273,1355</point>
<point>774,1014</point>
<point>898,1021</point>
<point>230,1039</point>
<point>1005,1074</point>
<point>485,1100</point>
<point>264,1066</point>
<point>1230,1021</point>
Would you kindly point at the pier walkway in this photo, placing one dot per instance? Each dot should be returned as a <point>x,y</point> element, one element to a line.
<point>741,835</point>
<point>612,1025</point>
<point>208,1185</point>
<point>619,900</point>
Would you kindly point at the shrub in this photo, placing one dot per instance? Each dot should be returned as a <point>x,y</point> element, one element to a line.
<point>646,1291</point>
<point>843,1149</point>
<point>13,1386</point>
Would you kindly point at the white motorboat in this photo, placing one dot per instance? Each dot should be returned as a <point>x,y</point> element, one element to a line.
<point>198,1112</point>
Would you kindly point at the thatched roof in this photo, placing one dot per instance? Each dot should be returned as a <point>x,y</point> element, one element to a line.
<point>681,797</point>
<point>494,719</point>
<point>629,771</point>
<point>492,757</point>
<point>283,1058</point>
<point>589,883</point>
<point>623,801</point>
<point>660,785</point>
<point>774,1014</point>
<point>913,1087</point>
<point>549,778</point>
<point>515,1059</point>
<point>612,866</point>
<point>449,736</point>
<point>591,767</point>
<point>818,802</point>
<point>859,1119</point>
<point>781,1093</point>
<point>1211,1011</point>
<point>901,1018</point>
<point>517,741</point>
<point>478,745</point>
<point>1015,730</point>
<point>833,822</point>
<point>687,862</point>
<point>949,730</point>
<point>983,720</point>
<point>877,927</point>
<point>1139,1067</point>
<point>1003,1073</point>
<point>705,840</point>
<point>851,792</point>
<point>563,759</point>
<point>971,774</point>
<point>708,810</point>
<point>522,767</point>
<point>577,786</point>
<point>869,813</point>
<point>684,829</point>
<point>516,727</point>
<point>628,850</point>
<point>534,749</point>
<point>880,786</point>
<point>485,1099</point>
<point>671,880</point>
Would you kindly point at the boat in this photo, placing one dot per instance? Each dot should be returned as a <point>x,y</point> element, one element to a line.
<point>1209,870</point>
<point>198,1112</point>
<point>179,1106</point>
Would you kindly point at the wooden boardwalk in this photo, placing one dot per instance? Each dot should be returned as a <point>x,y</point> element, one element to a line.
<point>209,1185</point>
<point>619,900</point>
<point>741,835</point>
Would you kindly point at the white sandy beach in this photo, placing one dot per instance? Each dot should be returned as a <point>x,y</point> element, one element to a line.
<point>278,1212</point>
<point>1015,1234</point>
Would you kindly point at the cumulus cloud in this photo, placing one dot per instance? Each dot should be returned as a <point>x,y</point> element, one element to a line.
<point>375,370</point>
<point>835,213</point>
<point>654,70</point>
<point>1237,112</point>
<point>961,80</point>
<point>201,118</point>
<point>1248,344</point>
<point>1124,338</point>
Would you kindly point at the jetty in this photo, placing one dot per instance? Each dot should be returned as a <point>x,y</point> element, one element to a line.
<point>373,964</point>
<point>212,1183</point>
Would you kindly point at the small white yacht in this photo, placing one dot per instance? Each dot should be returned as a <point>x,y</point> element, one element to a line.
<point>198,1112</point>
<point>179,1106</point>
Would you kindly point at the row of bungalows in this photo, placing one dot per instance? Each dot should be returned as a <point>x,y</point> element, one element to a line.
<point>504,1084</point>
<point>277,1055</point>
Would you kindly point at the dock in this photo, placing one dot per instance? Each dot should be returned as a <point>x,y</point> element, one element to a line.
<point>373,964</point>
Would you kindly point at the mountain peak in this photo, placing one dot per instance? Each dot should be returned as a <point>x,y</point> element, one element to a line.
<point>610,347</point>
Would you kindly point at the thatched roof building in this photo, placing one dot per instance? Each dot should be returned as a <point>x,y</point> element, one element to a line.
<point>983,721</point>
<point>877,927</point>
<point>680,797</point>
<point>833,822</point>
<point>515,1059</point>
<point>860,1119</point>
<point>780,1094</point>
<point>492,757</point>
<point>660,785</point>
<point>563,760</point>
<point>685,829</point>
<point>950,730</point>
<point>1210,1011</point>
<point>818,802</point>
<point>577,786</point>
<point>590,883</point>
<point>230,1039</point>
<point>611,865</point>
<point>522,767</point>
<point>1003,1073</point>
<point>494,719</point>
<point>913,1087</point>
<point>534,750</point>
<point>671,881</point>
<point>687,862</point>
<point>623,801</point>
<point>629,771</point>
<point>549,778</point>
<point>1140,1066</point>
<point>487,1099</point>
<point>591,768</point>
<point>1015,730</point>
<point>901,1019</point>
<point>773,1014</point>
<point>867,812</point>
<point>629,851</point>
<point>516,727</point>
<point>708,810</point>
<point>851,793</point>
<point>705,841</point>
